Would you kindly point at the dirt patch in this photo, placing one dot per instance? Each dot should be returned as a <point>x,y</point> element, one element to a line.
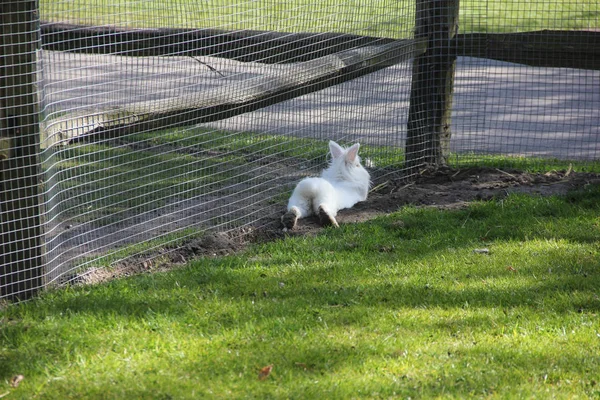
<point>449,189</point>
<point>212,245</point>
<point>441,188</point>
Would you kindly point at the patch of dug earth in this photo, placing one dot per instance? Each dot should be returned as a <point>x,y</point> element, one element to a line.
<point>211,245</point>
<point>442,188</point>
<point>450,189</point>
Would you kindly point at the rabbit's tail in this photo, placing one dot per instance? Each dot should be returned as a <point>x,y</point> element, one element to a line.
<point>309,195</point>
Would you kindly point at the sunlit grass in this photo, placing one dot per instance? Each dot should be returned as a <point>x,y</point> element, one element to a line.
<point>397,307</point>
<point>523,163</point>
<point>382,18</point>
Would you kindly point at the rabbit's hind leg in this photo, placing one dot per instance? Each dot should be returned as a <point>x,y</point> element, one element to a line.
<point>289,219</point>
<point>326,218</point>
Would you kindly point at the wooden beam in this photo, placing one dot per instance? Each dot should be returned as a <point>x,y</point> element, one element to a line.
<point>21,255</point>
<point>546,48</point>
<point>244,45</point>
<point>286,82</point>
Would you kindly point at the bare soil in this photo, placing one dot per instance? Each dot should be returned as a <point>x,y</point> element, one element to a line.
<point>442,188</point>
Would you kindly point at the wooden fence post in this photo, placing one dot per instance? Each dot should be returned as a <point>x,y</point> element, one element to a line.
<point>21,262</point>
<point>428,128</point>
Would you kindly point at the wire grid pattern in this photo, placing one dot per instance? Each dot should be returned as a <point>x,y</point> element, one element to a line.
<point>147,191</point>
<point>20,222</point>
<point>114,198</point>
<point>510,109</point>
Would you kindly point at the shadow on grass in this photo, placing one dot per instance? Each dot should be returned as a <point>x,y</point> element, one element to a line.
<point>411,281</point>
<point>339,258</point>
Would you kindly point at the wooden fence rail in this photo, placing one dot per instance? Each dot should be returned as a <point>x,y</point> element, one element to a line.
<point>290,81</point>
<point>544,48</point>
<point>244,45</point>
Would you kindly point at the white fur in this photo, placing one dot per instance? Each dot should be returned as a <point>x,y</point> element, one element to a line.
<point>343,184</point>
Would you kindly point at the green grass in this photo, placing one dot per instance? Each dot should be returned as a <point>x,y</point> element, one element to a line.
<point>312,152</point>
<point>106,182</point>
<point>383,18</point>
<point>520,15</point>
<point>397,307</point>
<point>307,151</point>
<point>528,164</point>
<point>379,18</point>
<point>253,144</point>
<point>103,181</point>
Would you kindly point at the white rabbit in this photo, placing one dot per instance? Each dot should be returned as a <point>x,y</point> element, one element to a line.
<point>343,184</point>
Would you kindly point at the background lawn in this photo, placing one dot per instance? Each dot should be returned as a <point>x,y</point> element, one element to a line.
<point>382,18</point>
<point>399,306</point>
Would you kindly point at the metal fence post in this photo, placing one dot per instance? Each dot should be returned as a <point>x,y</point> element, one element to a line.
<point>21,255</point>
<point>428,128</point>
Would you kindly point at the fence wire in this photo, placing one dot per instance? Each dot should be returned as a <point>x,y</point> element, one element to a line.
<point>156,122</point>
<point>534,89</point>
<point>21,234</point>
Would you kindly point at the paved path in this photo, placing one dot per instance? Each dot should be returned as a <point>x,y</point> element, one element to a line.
<point>498,107</point>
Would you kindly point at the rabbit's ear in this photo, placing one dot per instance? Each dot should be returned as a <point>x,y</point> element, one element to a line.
<point>335,149</point>
<point>352,153</point>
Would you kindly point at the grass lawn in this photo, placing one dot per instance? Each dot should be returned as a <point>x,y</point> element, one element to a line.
<point>399,306</point>
<point>103,182</point>
<point>385,18</point>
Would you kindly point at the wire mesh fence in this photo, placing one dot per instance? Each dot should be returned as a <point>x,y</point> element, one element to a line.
<point>144,124</point>
<point>532,90</point>
<point>21,252</point>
